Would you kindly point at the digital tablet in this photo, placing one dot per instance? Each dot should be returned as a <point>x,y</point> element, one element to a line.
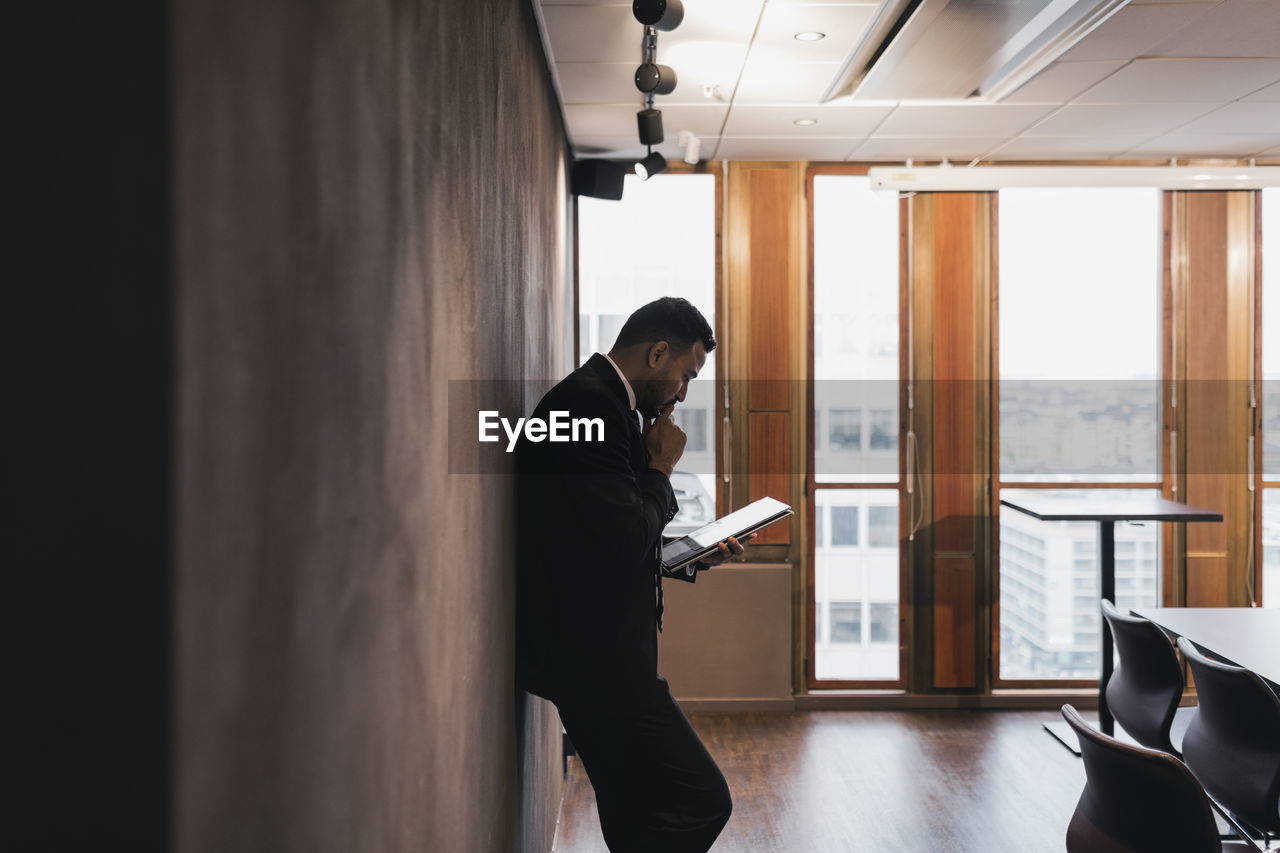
<point>681,552</point>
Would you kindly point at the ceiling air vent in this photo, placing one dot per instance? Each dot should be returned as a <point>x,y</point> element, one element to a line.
<point>955,49</point>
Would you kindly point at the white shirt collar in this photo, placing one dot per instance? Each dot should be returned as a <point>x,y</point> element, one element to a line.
<point>631,395</point>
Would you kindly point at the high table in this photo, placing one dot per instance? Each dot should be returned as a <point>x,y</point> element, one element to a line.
<point>1242,636</point>
<point>1105,507</point>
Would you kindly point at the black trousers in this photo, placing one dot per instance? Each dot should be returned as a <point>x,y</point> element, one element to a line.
<point>657,787</point>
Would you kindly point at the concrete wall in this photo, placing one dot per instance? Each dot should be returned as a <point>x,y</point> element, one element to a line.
<point>370,201</point>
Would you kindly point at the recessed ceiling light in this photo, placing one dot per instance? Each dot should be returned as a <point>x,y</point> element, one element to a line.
<point>806,122</point>
<point>809,36</point>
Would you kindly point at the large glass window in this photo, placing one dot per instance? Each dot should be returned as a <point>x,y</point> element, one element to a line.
<point>858,585</point>
<point>1049,618</point>
<point>856,423</point>
<point>617,273</point>
<point>1079,334</point>
<point>1079,403</point>
<point>1270,342</point>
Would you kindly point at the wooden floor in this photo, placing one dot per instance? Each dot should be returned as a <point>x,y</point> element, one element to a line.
<point>876,781</point>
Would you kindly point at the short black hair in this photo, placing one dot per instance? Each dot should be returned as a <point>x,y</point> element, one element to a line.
<point>669,319</point>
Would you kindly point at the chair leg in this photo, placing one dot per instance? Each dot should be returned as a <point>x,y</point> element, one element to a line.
<point>1240,828</point>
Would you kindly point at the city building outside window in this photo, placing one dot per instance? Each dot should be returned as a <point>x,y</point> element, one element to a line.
<point>1079,403</point>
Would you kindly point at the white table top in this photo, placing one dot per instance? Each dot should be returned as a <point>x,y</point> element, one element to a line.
<point>1245,636</point>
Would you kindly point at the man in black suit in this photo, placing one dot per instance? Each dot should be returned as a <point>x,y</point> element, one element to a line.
<point>591,515</point>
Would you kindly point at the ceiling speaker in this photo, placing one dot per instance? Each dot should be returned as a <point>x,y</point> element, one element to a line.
<point>598,178</point>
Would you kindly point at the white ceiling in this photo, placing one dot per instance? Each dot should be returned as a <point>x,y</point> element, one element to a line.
<point>1158,79</point>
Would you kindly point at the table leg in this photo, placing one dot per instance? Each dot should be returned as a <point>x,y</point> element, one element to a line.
<point>1107,590</point>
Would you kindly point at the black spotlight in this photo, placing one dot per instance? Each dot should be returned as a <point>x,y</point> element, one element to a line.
<point>655,79</point>
<point>598,178</point>
<point>650,124</point>
<point>650,165</point>
<point>663,15</point>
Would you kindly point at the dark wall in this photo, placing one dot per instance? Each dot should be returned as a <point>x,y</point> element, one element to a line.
<point>369,202</point>
<point>86,460</point>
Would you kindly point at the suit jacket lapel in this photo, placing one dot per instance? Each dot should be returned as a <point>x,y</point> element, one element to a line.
<point>638,454</point>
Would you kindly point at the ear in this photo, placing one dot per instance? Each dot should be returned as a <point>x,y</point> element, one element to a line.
<point>657,353</point>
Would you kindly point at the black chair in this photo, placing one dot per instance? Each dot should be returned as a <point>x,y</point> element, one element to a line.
<point>1137,800</point>
<point>1233,743</point>
<point>1145,689</point>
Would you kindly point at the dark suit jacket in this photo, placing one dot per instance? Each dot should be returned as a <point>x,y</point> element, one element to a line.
<point>590,518</point>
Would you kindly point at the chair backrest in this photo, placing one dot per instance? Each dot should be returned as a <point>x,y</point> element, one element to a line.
<point>1136,799</point>
<point>1144,691</point>
<point>1233,742</point>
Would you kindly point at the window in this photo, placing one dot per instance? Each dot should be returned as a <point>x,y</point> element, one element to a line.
<point>855,322</point>
<point>884,429</point>
<point>882,526</point>
<point>846,622</point>
<point>844,430</point>
<point>1079,386</point>
<point>1270,343</point>
<point>856,569</point>
<point>694,424</point>
<point>844,525</point>
<point>1078,403</point>
<point>857,573</point>
<point>618,273</point>
<point>884,622</point>
<point>597,334</point>
<point>1271,547</point>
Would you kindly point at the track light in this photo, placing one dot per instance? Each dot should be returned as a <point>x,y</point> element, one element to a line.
<point>692,147</point>
<point>651,165</point>
<point>649,123</point>
<point>653,79</point>
<point>663,15</point>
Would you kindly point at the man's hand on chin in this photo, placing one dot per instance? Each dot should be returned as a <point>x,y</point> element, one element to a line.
<point>665,442</point>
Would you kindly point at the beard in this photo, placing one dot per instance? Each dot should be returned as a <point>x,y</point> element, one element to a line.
<point>650,402</point>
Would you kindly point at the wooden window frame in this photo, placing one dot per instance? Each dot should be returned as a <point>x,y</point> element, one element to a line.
<point>1263,484</point>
